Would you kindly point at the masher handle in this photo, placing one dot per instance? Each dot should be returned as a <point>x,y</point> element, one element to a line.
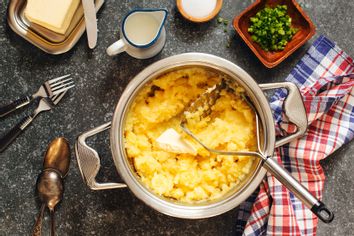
<point>281,174</point>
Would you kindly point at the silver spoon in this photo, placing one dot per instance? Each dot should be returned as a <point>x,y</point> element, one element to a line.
<point>50,184</point>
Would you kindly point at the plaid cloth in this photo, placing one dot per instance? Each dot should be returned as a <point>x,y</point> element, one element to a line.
<point>325,77</point>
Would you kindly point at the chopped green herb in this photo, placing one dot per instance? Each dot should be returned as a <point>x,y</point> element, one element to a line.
<point>271,28</point>
<point>5,3</point>
<point>228,43</point>
<point>224,24</point>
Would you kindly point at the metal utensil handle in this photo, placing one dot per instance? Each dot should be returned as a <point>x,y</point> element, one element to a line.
<point>293,108</point>
<point>21,102</point>
<point>14,133</point>
<point>52,223</point>
<point>89,161</point>
<point>37,228</point>
<point>316,206</point>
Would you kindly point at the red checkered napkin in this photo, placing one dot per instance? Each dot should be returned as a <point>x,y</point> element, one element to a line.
<point>325,77</point>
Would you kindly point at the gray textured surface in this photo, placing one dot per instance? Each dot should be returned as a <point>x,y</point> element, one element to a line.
<point>100,81</point>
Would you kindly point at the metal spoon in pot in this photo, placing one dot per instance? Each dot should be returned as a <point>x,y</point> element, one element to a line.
<point>50,184</point>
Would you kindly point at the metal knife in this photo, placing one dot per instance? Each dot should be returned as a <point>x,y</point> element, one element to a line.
<point>90,22</point>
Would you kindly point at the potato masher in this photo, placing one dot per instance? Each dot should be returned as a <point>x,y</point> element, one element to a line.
<point>203,104</point>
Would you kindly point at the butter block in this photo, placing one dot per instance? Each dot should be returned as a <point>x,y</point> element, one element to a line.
<point>171,141</point>
<point>55,15</point>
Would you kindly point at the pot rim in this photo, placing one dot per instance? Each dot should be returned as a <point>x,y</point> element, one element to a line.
<point>117,141</point>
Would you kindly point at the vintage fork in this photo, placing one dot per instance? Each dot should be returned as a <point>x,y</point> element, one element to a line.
<point>48,89</point>
<point>45,104</point>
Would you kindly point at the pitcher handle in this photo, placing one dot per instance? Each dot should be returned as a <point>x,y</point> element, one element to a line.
<point>89,160</point>
<point>293,108</point>
<point>116,48</point>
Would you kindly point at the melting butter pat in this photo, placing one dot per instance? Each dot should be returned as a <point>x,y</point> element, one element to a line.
<point>55,15</point>
<point>171,141</point>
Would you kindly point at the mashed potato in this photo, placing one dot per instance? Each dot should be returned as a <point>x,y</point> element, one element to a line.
<point>186,177</point>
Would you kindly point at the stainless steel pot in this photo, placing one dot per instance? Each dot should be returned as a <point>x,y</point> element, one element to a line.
<point>89,161</point>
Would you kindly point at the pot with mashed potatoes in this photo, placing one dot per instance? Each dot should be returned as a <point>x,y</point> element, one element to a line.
<point>162,165</point>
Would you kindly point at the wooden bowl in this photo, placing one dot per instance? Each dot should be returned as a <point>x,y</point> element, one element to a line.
<point>203,19</point>
<point>300,21</point>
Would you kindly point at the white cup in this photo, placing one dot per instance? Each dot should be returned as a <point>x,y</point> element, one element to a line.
<point>142,34</point>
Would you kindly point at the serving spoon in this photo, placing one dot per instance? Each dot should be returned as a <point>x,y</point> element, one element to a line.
<point>50,182</point>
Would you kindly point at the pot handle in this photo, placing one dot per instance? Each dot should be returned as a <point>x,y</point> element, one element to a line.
<point>89,161</point>
<point>293,108</point>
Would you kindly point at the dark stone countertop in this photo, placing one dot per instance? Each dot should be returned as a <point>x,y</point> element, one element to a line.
<point>99,82</point>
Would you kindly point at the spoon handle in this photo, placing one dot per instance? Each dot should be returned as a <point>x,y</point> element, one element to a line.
<point>52,223</point>
<point>37,229</point>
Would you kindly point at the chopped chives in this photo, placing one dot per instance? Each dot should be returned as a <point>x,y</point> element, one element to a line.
<point>271,28</point>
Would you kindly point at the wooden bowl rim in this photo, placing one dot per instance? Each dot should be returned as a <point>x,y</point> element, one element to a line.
<point>264,60</point>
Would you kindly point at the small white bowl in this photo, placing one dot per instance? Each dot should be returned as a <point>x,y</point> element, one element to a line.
<point>195,18</point>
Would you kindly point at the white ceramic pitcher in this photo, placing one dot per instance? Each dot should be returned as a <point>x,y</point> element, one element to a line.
<point>142,34</point>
